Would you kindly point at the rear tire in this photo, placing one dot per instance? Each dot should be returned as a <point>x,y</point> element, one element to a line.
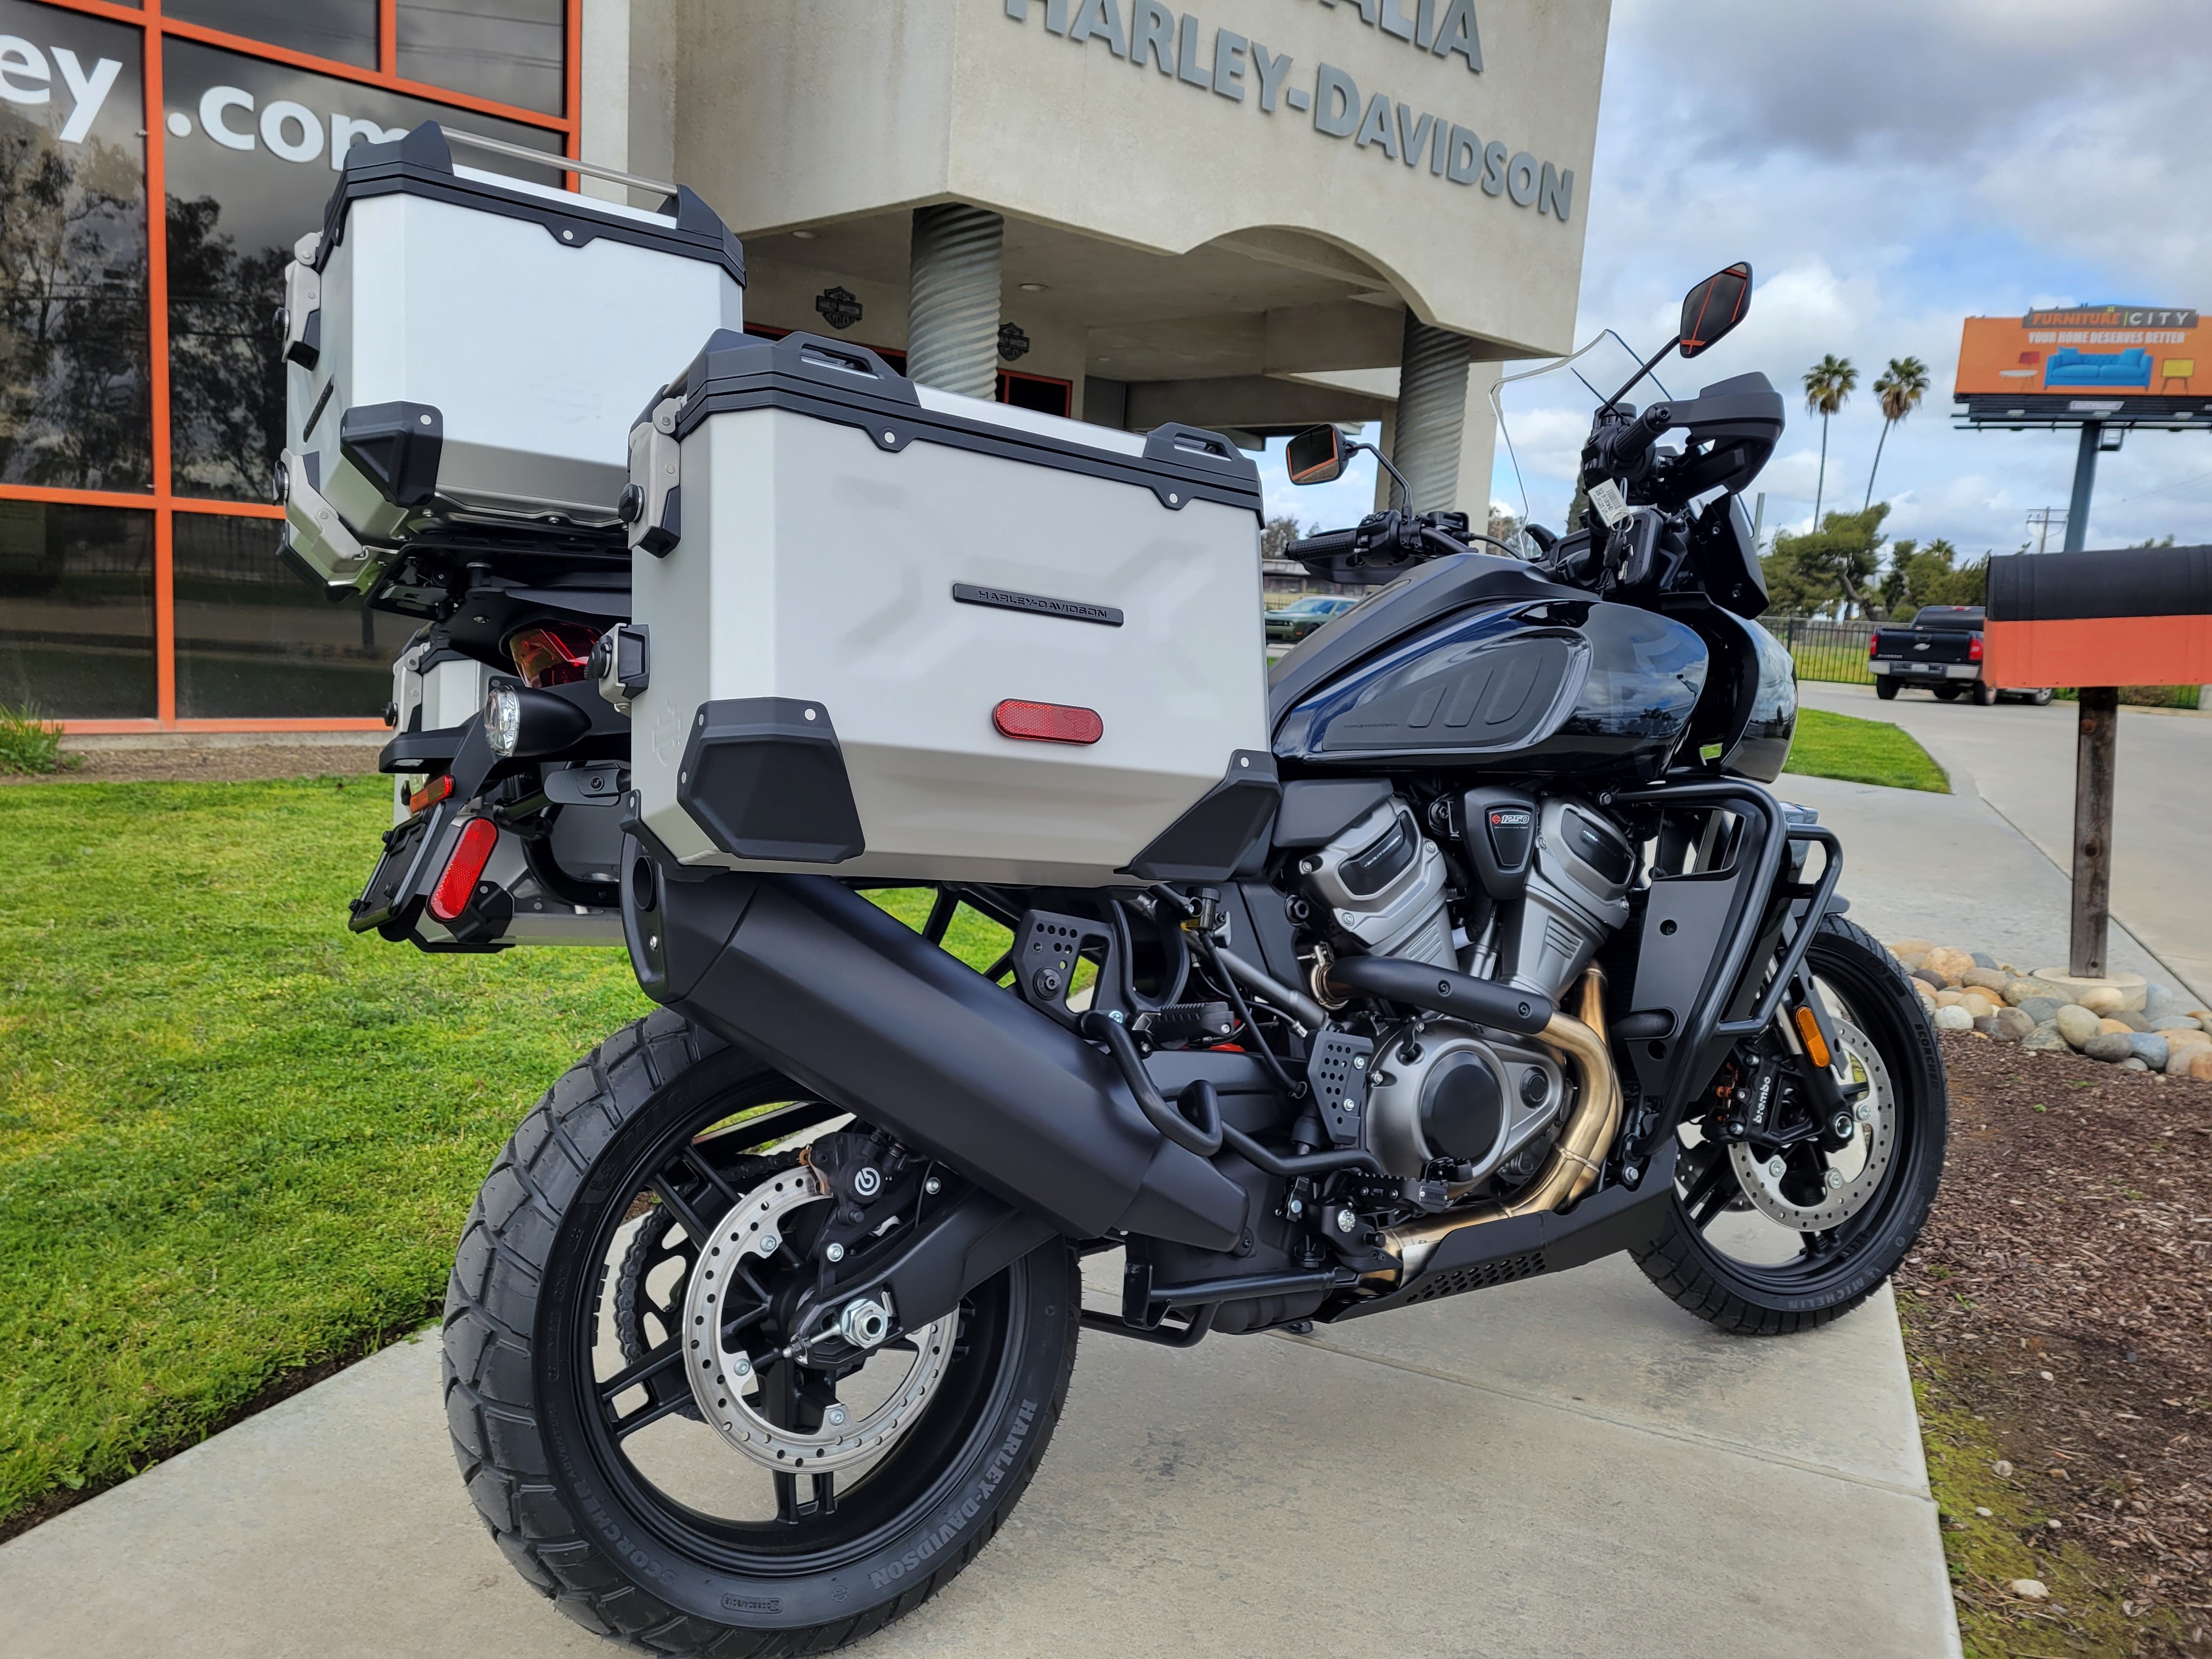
<point>546,1454</point>
<point>1985,694</point>
<point>1748,1299</point>
<point>2040,697</point>
<point>1885,689</point>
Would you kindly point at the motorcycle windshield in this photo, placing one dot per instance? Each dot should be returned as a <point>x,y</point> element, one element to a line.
<point>1544,410</point>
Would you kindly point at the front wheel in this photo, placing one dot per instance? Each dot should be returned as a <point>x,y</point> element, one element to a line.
<point>800,1493</point>
<point>1762,1242</point>
<point>1945,693</point>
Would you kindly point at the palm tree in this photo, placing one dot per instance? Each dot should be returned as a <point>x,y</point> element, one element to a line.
<point>1901,387</point>
<point>1828,382</point>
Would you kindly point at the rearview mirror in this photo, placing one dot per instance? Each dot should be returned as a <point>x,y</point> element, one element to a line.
<point>1315,455</point>
<point>1714,307</point>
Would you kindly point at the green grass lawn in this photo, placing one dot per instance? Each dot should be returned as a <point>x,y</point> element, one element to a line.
<point>1862,752</point>
<point>236,1139</point>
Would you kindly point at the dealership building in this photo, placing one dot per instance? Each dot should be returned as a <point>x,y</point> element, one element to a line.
<point>1252,218</point>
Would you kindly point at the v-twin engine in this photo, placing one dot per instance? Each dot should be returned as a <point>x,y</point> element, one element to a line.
<point>1540,884</point>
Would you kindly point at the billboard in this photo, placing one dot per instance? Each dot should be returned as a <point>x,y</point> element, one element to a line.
<point>2088,362</point>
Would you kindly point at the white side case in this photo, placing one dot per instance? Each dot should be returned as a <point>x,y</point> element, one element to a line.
<point>873,568</point>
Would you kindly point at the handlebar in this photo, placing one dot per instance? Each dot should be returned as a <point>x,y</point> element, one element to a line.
<point>1330,544</point>
<point>1621,449</point>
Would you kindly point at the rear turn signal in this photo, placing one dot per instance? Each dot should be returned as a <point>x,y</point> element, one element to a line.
<point>1974,648</point>
<point>1808,1027</point>
<point>1872,640</point>
<point>464,869</point>
<point>431,792</point>
<point>1047,722</point>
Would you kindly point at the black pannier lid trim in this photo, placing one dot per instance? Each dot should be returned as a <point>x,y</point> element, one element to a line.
<point>835,380</point>
<point>422,164</point>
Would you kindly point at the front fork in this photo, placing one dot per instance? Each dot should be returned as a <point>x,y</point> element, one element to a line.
<point>1784,1087</point>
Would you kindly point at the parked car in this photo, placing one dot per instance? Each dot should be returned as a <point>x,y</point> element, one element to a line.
<point>1294,621</point>
<point>1941,649</point>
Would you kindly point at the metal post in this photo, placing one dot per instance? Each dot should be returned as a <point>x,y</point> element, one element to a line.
<point>2094,754</point>
<point>952,306</point>
<point>1432,416</point>
<point>2085,478</point>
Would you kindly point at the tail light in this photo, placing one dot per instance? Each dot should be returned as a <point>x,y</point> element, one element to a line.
<point>1974,648</point>
<point>552,653</point>
<point>1047,722</point>
<point>1872,640</point>
<point>464,869</point>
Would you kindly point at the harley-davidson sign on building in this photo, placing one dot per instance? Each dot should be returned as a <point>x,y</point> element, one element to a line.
<point>1245,216</point>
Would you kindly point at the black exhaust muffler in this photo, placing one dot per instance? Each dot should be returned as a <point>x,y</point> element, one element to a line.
<point>859,1008</point>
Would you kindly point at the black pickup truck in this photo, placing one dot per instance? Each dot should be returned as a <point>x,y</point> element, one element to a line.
<point>1941,649</point>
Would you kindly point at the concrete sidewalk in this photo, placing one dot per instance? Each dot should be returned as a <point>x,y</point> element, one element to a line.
<point>1565,1467</point>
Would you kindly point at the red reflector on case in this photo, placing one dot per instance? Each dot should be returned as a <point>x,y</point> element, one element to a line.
<point>1047,722</point>
<point>465,868</point>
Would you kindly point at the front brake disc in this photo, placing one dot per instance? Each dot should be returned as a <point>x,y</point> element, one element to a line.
<point>1806,1198</point>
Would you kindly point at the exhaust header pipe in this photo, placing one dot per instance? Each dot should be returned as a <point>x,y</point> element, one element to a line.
<point>1577,1157</point>
<point>858,1008</point>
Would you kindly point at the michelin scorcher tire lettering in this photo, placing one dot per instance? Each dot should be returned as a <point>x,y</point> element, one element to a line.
<point>599,1527</point>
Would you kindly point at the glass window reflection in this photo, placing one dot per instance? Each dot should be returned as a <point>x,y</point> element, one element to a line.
<point>343,29</point>
<point>254,150</point>
<point>510,51</point>
<point>254,640</point>
<point>74,406</point>
<point>76,610</point>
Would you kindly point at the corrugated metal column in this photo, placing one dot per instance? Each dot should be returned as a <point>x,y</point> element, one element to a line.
<point>1431,413</point>
<point>952,302</point>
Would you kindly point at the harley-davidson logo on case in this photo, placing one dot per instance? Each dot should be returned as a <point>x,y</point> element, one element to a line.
<point>1005,599</point>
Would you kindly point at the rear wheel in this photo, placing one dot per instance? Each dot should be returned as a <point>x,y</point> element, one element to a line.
<point>1885,689</point>
<point>1762,1242</point>
<point>1985,694</point>
<point>2040,697</point>
<point>791,1498</point>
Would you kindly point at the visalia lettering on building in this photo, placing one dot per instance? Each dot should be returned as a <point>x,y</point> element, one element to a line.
<point>1150,35</point>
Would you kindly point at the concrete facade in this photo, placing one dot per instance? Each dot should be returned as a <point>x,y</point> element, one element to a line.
<point>1226,217</point>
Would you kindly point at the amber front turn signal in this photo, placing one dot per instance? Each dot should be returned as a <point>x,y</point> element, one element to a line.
<point>1816,1046</point>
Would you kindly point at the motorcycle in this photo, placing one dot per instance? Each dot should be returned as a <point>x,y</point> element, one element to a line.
<point>763,1319</point>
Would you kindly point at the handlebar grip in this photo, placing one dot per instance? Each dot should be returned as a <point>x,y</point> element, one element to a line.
<point>1630,443</point>
<point>1328,545</point>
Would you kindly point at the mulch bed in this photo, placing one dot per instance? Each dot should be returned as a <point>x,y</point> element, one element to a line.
<point>230,763</point>
<point>2061,1295</point>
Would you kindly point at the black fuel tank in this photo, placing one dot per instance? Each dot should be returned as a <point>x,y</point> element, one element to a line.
<point>1570,686</point>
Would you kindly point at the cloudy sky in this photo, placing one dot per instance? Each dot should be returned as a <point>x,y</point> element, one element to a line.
<point>1890,167</point>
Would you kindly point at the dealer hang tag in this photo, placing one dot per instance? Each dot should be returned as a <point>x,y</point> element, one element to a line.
<point>1612,507</point>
